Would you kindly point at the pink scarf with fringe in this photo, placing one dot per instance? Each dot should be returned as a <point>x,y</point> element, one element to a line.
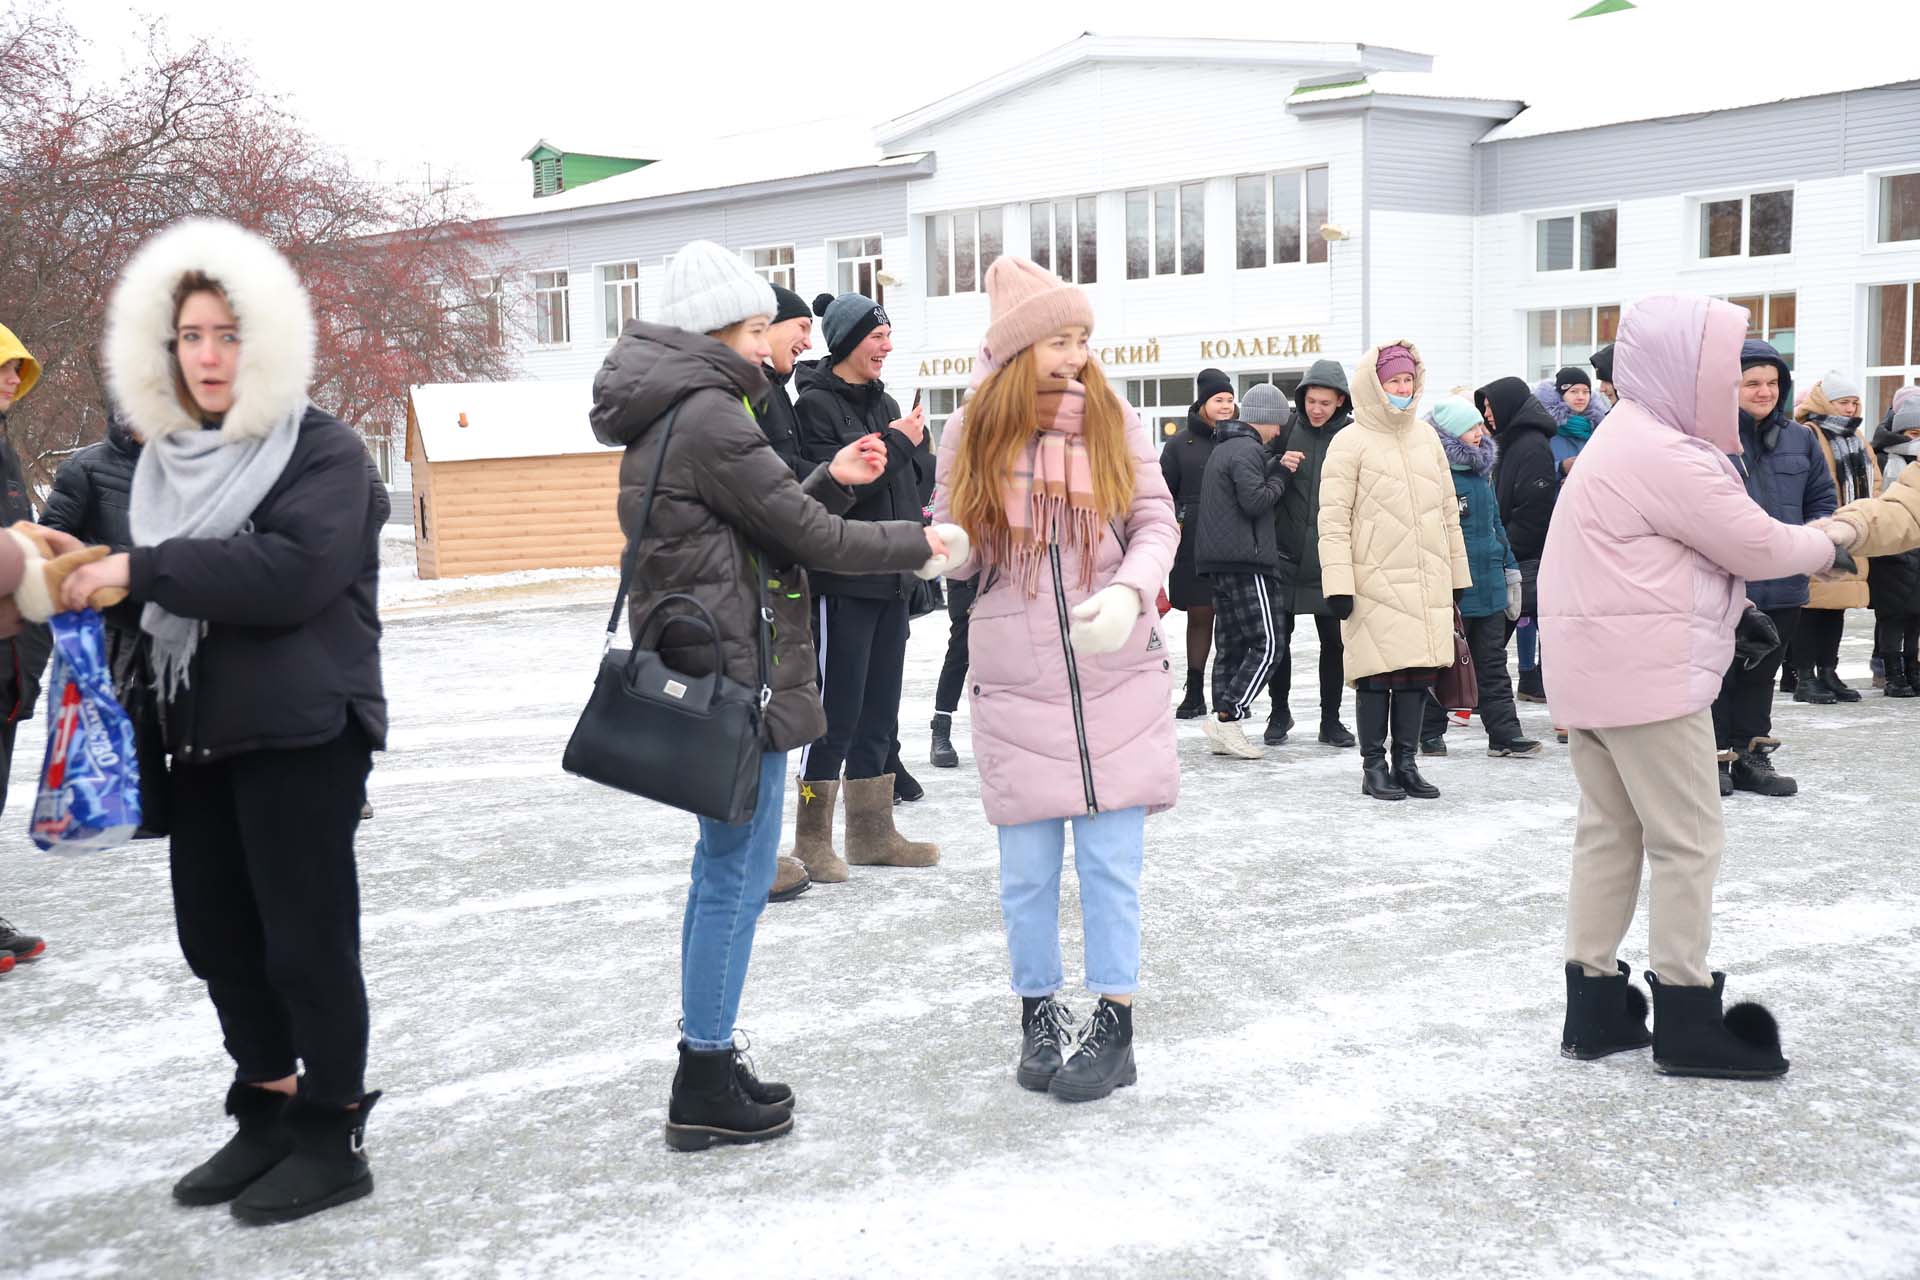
<point>1050,498</point>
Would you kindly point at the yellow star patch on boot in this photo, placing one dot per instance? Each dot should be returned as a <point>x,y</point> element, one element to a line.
<point>806,793</point>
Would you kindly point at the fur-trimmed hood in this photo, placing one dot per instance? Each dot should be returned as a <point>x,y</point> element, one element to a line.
<point>276,330</point>
<point>1462,456</point>
<point>1548,394</point>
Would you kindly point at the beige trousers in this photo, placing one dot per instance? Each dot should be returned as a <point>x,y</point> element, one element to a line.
<point>1652,792</point>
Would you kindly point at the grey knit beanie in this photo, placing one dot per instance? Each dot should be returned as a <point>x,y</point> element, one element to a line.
<point>1265,405</point>
<point>1838,386</point>
<point>846,321</point>
<point>708,289</point>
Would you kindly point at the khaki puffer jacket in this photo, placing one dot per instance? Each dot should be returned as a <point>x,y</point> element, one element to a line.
<point>1390,532</point>
<point>1847,590</point>
<point>726,503</point>
<point>1889,524</point>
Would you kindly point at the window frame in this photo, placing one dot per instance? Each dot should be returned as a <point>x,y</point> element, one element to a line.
<point>1310,239</point>
<point>1180,218</point>
<point>1084,273</point>
<point>1593,310</point>
<point>980,260</point>
<point>536,294</point>
<point>490,294</point>
<point>1697,210</point>
<point>602,284</point>
<point>1877,189</point>
<point>1577,215</point>
<point>1909,343</point>
<point>878,258</point>
<point>766,272</point>
<point>1767,327</point>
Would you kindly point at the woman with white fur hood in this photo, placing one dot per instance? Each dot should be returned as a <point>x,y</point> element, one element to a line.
<point>256,566</point>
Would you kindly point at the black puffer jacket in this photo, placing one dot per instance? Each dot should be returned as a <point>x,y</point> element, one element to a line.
<point>1297,518</point>
<point>89,497</point>
<point>1525,480</point>
<point>292,645</point>
<point>1894,581</point>
<point>24,657</point>
<point>833,413</point>
<point>781,423</point>
<point>1244,482</point>
<point>724,499</point>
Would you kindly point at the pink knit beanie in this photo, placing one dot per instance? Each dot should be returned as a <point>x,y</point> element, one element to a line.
<point>1028,302</point>
<point>1395,360</point>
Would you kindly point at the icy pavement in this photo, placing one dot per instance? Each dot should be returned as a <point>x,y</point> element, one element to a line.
<point>1347,1039</point>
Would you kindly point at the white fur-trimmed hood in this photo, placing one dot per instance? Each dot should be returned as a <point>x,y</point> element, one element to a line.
<point>276,329</point>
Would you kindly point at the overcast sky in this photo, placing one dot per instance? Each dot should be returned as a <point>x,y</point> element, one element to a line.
<point>468,87</point>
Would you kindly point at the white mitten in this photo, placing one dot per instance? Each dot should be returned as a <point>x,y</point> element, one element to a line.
<point>1516,593</point>
<point>1102,622</point>
<point>959,549</point>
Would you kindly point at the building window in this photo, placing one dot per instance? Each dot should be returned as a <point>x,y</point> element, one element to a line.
<point>487,297</point>
<point>856,267</point>
<point>550,327</point>
<point>1893,343</point>
<point>1899,208</point>
<point>1065,238</point>
<point>1754,226</point>
<point>773,264</point>
<point>960,248</point>
<point>1167,230</point>
<point>1288,380</point>
<point>1162,403</point>
<point>1298,204</point>
<point>1567,335</point>
<point>619,296</point>
<point>1585,241</point>
<point>1770,318</point>
<point>941,402</point>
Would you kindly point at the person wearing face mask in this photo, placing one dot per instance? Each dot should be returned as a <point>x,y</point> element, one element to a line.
<point>862,619</point>
<point>1073,531</point>
<point>1392,563</point>
<point>739,521</point>
<point>1780,463</point>
<point>1832,410</point>
<point>1183,465</point>
<point>1569,400</point>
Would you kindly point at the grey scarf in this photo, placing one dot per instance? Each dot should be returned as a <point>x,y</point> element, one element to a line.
<point>1849,456</point>
<point>194,484</point>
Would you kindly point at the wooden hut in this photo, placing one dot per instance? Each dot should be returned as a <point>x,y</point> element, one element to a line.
<point>508,476</point>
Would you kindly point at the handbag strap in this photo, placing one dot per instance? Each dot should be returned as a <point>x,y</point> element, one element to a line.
<point>630,563</point>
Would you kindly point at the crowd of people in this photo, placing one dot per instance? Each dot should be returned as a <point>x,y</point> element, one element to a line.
<point>1653,539</point>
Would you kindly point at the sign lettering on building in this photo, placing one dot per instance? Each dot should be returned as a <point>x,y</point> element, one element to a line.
<point>1268,346</point>
<point>1265,346</point>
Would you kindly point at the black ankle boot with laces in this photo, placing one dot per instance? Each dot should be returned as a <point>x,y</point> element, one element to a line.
<point>1046,1030</point>
<point>1104,1060</point>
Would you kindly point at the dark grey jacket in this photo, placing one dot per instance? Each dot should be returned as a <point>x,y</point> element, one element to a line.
<point>1297,518</point>
<point>726,509</point>
<point>1243,483</point>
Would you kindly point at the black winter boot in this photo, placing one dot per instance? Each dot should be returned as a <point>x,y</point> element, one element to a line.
<point>263,1142</point>
<point>1726,774</point>
<point>1372,710</point>
<point>1753,768</point>
<point>1900,678</point>
<point>1279,725</point>
<point>1809,688</point>
<point>328,1166</point>
<point>1532,687</point>
<point>709,1105</point>
<point>1333,733</point>
<point>1436,747</point>
<point>1104,1060</point>
<point>1409,707</point>
<point>906,788</point>
<point>768,1093</point>
<point>942,755</point>
<point>1194,705</point>
<point>1604,1015</point>
<point>1691,1037</point>
<point>1838,687</point>
<point>1046,1029</point>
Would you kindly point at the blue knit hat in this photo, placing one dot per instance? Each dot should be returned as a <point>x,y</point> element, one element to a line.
<point>1456,415</point>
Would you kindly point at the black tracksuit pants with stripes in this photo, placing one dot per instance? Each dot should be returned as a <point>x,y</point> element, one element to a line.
<point>863,651</point>
<point>1248,637</point>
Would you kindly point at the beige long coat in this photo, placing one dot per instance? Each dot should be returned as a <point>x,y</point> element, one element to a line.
<point>1390,532</point>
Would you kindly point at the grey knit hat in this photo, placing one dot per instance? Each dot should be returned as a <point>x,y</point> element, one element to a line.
<point>708,289</point>
<point>1266,405</point>
<point>1838,386</point>
<point>846,321</point>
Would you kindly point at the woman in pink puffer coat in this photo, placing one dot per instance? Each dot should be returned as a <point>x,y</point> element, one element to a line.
<point>1056,483</point>
<point>1641,591</point>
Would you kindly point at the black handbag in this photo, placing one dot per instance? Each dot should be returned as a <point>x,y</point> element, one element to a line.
<point>925,598</point>
<point>689,742</point>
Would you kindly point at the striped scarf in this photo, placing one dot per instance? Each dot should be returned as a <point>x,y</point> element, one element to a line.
<point>1854,477</point>
<point>1050,498</point>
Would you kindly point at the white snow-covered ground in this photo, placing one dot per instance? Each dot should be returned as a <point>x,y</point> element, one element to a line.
<point>1347,1039</point>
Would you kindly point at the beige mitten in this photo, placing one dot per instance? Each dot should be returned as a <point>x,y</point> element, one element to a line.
<point>38,596</point>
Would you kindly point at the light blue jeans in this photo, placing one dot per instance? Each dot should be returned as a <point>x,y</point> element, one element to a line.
<point>733,868</point>
<point>1107,848</point>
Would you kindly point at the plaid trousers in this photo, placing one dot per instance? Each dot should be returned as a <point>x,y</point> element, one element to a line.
<point>1248,638</point>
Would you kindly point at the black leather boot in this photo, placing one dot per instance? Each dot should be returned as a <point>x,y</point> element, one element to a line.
<point>1104,1060</point>
<point>262,1142</point>
<point>709,1105</point>
<point>1332,732</point>
<point>1839,688</point>
<point>906,788</point>
<point>1692,1037</point>
<point>1409,707</point>
<point>942,755</point>
<point>1809,688</point>
<point>1753,769</point>
<point>1194,705</point>
<point>1604,1015</point>
<point>328,1166</point>
<point>1046,1029</point>
<point>1900,678</point>
<point>1372,711</point>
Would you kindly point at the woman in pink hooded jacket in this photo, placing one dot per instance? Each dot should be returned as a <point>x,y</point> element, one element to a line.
<point>1642,588</point>
<point>1056,484</point>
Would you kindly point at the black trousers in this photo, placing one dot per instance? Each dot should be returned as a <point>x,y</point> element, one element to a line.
<point>1332,656</point>
<point>267,900</point>
<point>953,672</point>
<point>1895,635</point>
<point>1487,637</point>
<point>863,653</point>
<point>7,731</point>
<point>1817,644</point>
<point>1744,709</point>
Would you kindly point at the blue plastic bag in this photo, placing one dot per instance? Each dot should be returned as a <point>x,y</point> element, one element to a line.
<point>90,783</point>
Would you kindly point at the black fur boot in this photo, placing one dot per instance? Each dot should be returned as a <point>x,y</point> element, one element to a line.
<point>1372,710</point>
<point>262,1142</point>
<point>1692,1037</point>
<point>1604,1015</point>
<point>328,1166</point>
